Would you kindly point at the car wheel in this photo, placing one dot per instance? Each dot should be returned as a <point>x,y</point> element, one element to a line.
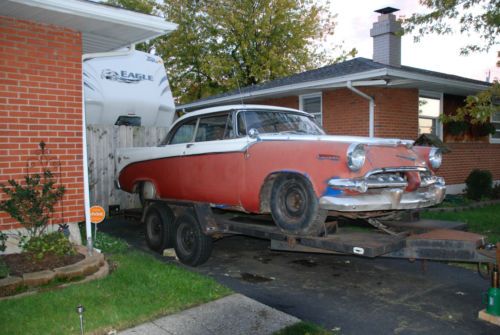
<point>159,227</point>
<point>295,207</point>
<point>191,245</point>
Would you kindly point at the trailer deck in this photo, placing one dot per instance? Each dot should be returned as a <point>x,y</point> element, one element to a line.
<point>422,239</point>
<point>417,239</point>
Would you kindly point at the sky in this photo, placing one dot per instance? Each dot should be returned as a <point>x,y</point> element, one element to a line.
<point>433,52</point>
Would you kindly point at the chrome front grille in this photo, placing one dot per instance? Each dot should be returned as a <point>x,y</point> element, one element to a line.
<point>386,180</point>
<point>392,178</point>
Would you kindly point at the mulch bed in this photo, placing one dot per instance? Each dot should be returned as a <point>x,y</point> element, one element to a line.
<point>19,264</point>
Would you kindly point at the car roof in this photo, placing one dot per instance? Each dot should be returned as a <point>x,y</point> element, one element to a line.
<point>237,107</point>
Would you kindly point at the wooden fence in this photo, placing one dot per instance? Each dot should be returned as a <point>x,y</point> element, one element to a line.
<point>102,141</point>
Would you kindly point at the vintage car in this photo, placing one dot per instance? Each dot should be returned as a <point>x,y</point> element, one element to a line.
<point>265,159</point>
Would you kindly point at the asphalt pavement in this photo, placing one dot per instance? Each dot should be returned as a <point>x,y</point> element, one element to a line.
<point>347,294</point>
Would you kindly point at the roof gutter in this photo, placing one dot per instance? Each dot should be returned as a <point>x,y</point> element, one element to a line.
<point>371,107</point>
<point>86,195</point>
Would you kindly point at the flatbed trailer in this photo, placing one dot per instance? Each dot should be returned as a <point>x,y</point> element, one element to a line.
<point>194,225</point>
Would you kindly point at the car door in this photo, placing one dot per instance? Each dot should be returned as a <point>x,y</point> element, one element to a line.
<point>213,161</point>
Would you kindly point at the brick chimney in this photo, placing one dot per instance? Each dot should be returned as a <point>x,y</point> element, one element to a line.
<point>386,33</point>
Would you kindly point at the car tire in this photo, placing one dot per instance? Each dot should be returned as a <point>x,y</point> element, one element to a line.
<point>159,227</point>
<point>192,247</point>
<point>295,207</point>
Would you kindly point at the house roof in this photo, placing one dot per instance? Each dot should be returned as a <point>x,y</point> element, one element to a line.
<point>360,71</point>
<point>104,28</point>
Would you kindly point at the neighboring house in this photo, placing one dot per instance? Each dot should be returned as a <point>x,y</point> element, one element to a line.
<point>381,98</point>
<point>42,43</point>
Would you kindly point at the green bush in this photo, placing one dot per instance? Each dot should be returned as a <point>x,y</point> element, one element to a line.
<point>3,240</point>
<point>479,184</point>
<point>495,192</point>
<point>456,127</point>
<point>4,269</point>
<point>32,202</point>
<point>53,243</point>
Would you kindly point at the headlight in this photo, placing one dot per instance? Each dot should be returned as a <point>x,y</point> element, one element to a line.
<point>435,158</point>
<point>356,156</point>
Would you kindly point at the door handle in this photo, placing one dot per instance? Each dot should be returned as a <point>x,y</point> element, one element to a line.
<point>189,145</point>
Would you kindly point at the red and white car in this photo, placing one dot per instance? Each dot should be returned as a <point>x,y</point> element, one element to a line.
<point>265,159</point>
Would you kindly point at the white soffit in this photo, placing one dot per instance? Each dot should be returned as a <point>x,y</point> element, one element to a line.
<point>103,28</point>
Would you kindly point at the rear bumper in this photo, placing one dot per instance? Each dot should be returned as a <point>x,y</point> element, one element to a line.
<point>385,199</point>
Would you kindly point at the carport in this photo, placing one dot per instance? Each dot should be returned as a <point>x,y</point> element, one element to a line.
<point>43,43</point>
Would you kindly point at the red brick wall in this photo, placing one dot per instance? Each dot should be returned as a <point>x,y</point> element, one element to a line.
<point>289,102</point>
<point>396,112</point>
<point>465,157</point>
<point>40,100</point>
<point>346,113</point>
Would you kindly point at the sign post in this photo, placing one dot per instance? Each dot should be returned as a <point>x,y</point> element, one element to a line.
<point>97,215</point>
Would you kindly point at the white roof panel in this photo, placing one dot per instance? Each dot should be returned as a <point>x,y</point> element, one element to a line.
<point>103,28</point>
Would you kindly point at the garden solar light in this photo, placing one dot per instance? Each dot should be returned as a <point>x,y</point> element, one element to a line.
<point>80,309</point>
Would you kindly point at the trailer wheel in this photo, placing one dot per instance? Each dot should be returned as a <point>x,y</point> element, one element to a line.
<point>191,245</point>
<point>295,207</point>
<point>159,227</point>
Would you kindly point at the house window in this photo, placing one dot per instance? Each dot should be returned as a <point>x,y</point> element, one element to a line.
<point>495,120</point>
<point>312,104</point>
<point>429,109</point>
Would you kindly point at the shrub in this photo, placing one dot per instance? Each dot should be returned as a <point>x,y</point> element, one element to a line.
<point>479,184</point>
<point>54,243</point>
<point>32,202</point>
<point>456,127</point>
<point>495,192</point>
<point>4,269</point>
<point>3,239</point>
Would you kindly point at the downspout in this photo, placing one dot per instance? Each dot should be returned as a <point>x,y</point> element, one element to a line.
<point>86,194</point>
<point>371,107</point>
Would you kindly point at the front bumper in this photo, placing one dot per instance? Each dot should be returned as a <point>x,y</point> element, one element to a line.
<point>391,199</point>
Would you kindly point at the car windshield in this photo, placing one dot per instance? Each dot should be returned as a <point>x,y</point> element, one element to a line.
<point>278,122</point>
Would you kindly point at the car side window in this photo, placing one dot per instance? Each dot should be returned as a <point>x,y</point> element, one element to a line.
<point>242,130</point>
<point>213,128</point>
<point>184,133</point>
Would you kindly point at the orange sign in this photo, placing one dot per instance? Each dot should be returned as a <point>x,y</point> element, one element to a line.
<point>97,214</point>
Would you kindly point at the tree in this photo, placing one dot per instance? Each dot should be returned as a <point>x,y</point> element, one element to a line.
<point>221,45</point>
<point>478,108</point>
<point>479,16</point>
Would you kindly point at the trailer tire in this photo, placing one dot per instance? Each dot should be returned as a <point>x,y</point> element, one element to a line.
<point>159,227</point>
<point>192,247</point>
<point>295,207</point>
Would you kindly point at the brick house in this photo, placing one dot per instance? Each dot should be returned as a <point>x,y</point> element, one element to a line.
<point>42,44</point>
<point>381,98</point>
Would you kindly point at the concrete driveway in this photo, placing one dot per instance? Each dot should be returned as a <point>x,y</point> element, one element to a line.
<point>351,295</point>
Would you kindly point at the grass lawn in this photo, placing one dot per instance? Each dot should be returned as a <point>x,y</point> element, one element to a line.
<point>141,288</point>
<point>485,221</point>
<point>305,328</point>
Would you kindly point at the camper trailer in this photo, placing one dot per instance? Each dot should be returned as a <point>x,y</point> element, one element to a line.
<point>130,89</point>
